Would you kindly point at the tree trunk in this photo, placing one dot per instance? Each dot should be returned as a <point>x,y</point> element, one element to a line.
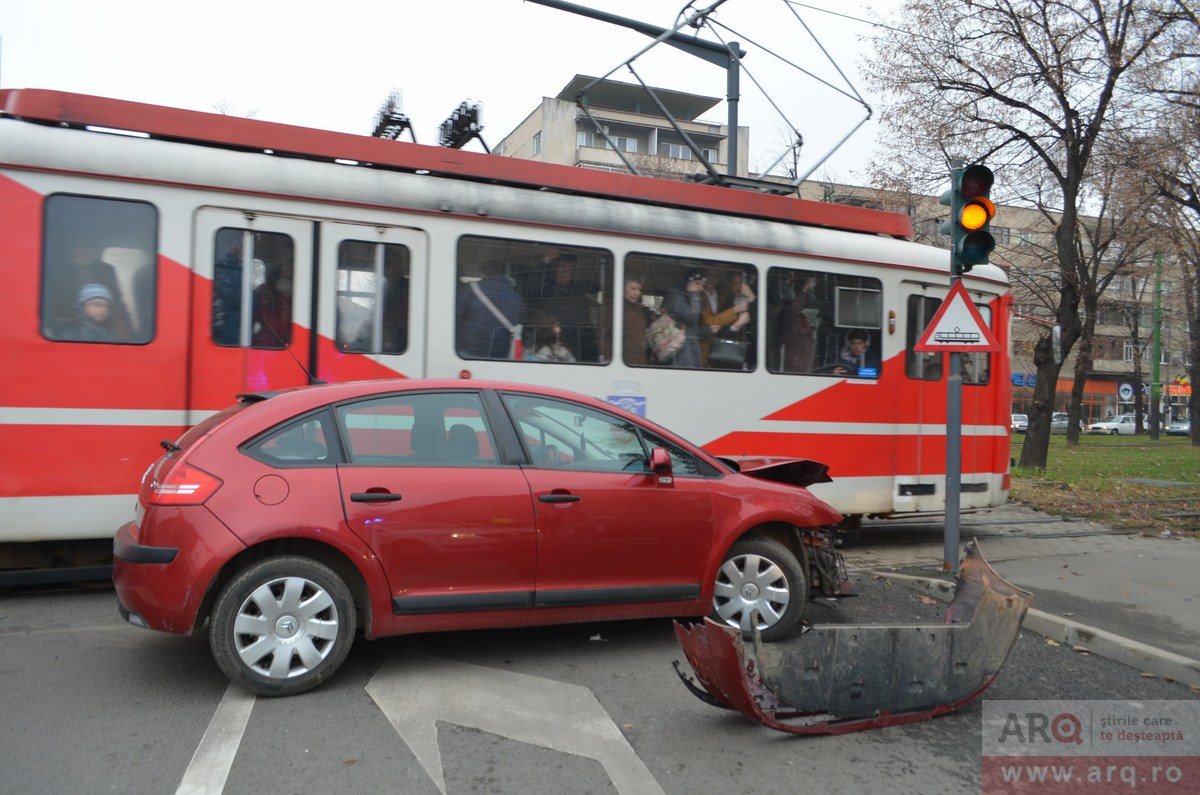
<point>1083,367</point>
<point>1037,436</point>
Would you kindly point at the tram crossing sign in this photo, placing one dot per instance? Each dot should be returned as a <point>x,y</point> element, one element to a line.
<point>958,327</point>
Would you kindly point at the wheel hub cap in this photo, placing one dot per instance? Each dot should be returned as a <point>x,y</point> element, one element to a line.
<point>750,592</point>
<point>286,627</point>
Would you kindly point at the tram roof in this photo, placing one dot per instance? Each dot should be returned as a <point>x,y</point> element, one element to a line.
<point>213,129</point>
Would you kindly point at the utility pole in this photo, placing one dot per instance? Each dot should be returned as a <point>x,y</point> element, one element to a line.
<point>1155,387</point>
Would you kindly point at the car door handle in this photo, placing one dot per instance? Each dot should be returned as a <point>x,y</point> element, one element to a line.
<point>374,496</point>
<point>559,498</point>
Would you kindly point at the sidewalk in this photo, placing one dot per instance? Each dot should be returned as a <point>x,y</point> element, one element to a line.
<point>1085,577</point>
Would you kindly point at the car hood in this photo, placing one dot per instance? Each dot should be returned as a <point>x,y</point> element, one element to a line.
<point>794,471</point>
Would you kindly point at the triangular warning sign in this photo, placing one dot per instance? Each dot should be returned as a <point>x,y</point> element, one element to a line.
<point>957,326</point>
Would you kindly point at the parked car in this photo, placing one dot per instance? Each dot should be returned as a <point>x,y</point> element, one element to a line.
<point>293,520</point>
<point>1019,424</point>
<point>1179,428</point>
<point>1124,424</point>
<point>1060,421</point>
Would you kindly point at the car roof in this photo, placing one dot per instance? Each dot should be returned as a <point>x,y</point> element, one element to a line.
<point>265,409</point>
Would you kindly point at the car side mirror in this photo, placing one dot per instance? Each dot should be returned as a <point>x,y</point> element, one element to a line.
<point>660,465</point>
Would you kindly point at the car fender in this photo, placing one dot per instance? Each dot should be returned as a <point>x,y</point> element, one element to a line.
<point>773,509</point>
<point>351,547</point>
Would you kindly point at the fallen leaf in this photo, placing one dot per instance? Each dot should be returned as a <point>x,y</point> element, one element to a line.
<point>348,762</point>
<point>1081,649</point>
<point>1148,675</point>
<point>1066,565</point>
<point>1077,574</point>
<point>1194,688</point>
<point>929,600</point>
<point>626,725</point>
<point>1052,642</point>
<point>1126,594</point>
<point>1068,614</point>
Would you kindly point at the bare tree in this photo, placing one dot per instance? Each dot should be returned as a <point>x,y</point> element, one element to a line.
<point>1032,87</point>
<point>1173,150</point>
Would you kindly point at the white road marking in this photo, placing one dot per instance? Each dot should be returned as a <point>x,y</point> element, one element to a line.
<point>213,759</point>
<point>415,692</point>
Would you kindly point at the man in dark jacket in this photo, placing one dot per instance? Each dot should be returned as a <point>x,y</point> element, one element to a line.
<point>482,333</point>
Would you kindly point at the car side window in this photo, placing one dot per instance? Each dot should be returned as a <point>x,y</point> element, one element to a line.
<point>306,442</point>
<point>425,429</point>
<point>562,435</point>
<point>682,462</point>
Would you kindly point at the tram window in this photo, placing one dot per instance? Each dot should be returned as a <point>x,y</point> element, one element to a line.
<point>672,304</point>
<point>976,367</point>
<point>98,269</point>
<point>823,323</point>
<point>252,269</point>
<point>372,297</point>
<point>923,366</point>
<point>548,302</point>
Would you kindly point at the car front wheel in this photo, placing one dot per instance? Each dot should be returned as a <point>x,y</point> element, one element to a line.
<point>760,575</point>
<point>282,626</point>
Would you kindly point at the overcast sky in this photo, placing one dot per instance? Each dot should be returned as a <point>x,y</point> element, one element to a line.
<point>331,64</point>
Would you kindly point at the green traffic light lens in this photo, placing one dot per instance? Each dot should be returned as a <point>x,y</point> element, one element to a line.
<point>976,246</point>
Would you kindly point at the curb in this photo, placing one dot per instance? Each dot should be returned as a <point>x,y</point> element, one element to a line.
<point>1126,651</point>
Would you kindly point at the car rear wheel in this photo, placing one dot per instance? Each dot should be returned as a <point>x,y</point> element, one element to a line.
<point>760,575</point>
<point>282,626</point>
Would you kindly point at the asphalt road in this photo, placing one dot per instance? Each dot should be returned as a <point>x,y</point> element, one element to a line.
<point>91,704</point>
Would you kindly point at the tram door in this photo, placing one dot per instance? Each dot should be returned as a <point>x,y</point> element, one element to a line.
<point>921,444</point>
<point>372,309</point>
<point>251,305</point>
<point>920,479</point>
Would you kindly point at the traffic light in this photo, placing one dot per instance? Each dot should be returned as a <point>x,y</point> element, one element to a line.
<point>971,211</point>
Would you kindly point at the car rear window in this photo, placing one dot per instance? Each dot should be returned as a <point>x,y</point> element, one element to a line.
<point>306,442</point>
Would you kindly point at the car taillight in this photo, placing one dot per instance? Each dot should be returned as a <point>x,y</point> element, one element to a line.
<point>184,485</point>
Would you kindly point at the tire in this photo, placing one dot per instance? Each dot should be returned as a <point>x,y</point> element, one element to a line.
<point>1113,432</point>
<point>759,574</point>
<point>282,626</point>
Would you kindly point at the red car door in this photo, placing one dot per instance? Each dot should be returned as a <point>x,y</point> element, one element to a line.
<point>453,528</point>
<point>608,531</point>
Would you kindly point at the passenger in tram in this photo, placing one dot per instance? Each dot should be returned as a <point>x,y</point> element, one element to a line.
<point>547,339</point>
<point>488,314</point>
<point>856,356</point>
<point>566,298</point>
<point>86,267</point>
<point>795,332</point>
<point>272,318</point>
<point>636,319</point>
<point>395,307</point>
<point>684,304</point>
<point>729,323</point>
<point>94,316</point>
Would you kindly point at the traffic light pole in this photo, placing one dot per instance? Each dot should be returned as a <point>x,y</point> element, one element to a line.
<point>953,411</point>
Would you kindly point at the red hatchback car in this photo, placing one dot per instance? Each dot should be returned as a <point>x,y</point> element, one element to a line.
<point>294,520</point>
